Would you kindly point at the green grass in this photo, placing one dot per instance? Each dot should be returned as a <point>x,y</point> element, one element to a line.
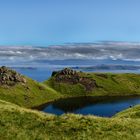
<point>33,93</point>
<point>17,122</point>
<point>24,124</point>
<point>28,95</point>
<point>133,112</point>
<point>113,85</point>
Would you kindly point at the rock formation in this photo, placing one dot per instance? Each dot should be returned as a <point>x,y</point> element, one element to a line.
<point>10,77</point>
<point>70,76</point>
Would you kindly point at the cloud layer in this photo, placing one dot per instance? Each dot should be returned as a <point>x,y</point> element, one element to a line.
<point>86,51</point>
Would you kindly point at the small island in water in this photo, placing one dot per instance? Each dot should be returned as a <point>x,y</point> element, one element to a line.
<point>67,91</point>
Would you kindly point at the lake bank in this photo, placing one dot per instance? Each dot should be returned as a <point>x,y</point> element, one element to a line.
<point>87,105</point>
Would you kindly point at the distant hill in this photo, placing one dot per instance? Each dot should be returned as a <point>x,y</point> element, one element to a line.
<point>108,67</point>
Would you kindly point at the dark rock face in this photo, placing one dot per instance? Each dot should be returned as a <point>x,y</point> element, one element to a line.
<point>70,76</point>
<point>10,77</point>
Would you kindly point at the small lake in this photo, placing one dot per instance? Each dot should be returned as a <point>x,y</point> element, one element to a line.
<point>100,106</point>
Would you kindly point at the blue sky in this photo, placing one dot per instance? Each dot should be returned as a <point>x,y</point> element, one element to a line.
<point>45,22</point>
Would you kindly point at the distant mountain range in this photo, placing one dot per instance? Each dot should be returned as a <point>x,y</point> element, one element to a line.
<point>108,67</point>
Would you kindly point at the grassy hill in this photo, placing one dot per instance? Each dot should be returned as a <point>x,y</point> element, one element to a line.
<point>94,84</point>
<point>28,93</point>
<point>20,123</point>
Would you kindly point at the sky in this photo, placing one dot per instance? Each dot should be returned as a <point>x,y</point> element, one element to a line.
<point>50,22</point>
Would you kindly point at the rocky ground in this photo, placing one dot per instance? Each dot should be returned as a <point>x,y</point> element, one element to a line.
<point>10,77</point>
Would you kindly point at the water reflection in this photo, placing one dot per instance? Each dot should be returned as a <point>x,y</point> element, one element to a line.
<point>101,106</point>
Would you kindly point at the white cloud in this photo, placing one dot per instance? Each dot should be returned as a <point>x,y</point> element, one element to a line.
<point>104,50</point>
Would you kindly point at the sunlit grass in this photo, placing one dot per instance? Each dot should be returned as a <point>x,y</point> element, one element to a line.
<point>19,123</point>
<point>113,85</point>
<point>28,95</point>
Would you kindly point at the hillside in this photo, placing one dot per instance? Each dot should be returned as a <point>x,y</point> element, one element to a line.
<point>23,91</point>
<point>19,123</point>
<point>75,83</point>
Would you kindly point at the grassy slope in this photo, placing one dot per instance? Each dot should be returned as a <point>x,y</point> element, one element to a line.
<point>20,123</point>
<point>113,85</point>
<point>28,95</point>
<point>34,93</point>
<point>130,113</point>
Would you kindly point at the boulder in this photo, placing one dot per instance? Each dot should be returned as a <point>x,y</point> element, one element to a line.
<point>10,77</point>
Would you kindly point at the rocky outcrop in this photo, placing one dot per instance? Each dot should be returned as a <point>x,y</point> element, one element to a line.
<point>70,76</point>
<point>10,77</point>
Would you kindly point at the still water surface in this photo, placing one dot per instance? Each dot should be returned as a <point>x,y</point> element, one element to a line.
<point>100,106</point>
